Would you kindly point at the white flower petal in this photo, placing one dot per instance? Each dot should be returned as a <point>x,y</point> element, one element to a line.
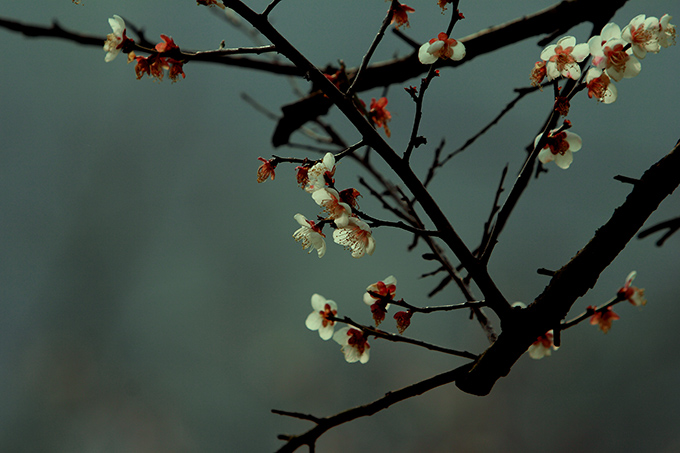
<point>313,321</point>
<point>424,56</point>
<point>564,160</point>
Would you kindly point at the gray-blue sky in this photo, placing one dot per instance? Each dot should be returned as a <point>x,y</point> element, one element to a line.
<point>152,294</point>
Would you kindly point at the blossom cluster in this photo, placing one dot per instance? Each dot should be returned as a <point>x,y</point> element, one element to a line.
<point>616,55</point>
<point>602,317</point>
<point>161,59</point>
<point>353,340</point>
<point>442,46</point>
<point>349,230</point>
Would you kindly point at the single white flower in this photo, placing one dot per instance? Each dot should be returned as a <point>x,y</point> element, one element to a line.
<point>666,33</point>
<point>329,200</point>
<point>559,147</point>
<point>318,319</point>
<point>642,34</point>
<point>114,41</point>
<point>441,47</point>
<point>542,347</point>
<point>385,288</point>
<point>356,236</point>
<point>310,235</point>
<point>562,59</point>
<point>354,344</point>
<point>635,296</point>
<point>318,173</point>
<point>600,86</point>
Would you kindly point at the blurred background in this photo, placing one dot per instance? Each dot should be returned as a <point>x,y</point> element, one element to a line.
<point>152,298</point>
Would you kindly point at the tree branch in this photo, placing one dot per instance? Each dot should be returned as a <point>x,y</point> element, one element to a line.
<point>575,278</point>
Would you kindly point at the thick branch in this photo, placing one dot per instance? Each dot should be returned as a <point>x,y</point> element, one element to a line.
<point>323,425</point>
<point>575,278</point>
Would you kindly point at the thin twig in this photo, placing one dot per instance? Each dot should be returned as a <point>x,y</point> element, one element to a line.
<point>401,339</point>
<point>374,45</point>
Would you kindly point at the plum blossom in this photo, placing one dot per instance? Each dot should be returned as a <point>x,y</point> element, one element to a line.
<point>355,236</point>
<point>310,235</point>
<point>666,33</point>
<point>350,196</point>
<point>384,288</point>
<point>559,147</point>
<point>635,296</point>
<point>175,69</point>
<point>329,199</point>
<point>603,318</point>
<point>399,15</point>
<point>354,344</point>
<point>608,54</point>
<point>318,319</point>
<point>166,45</point>
<point>442,4</point>
<point>403,319</point>
<point>538,73</point>
<point>642,34</point>
<point>379,114</point>
<point>266,170</point>
<point>320,174</point>
<point>441,47</point>
<point>384,291</point>
<point>116,40</point>
<point>600,86</point>
<point>152,66</point>
<point>542,347</point>
<point>562,58</point>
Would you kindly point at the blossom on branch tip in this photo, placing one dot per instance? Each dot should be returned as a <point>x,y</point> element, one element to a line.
<point>176,69</point>
<point>320,174</point>
<point>266,170</point>
<point>152,65</point>
<point>642,34</point>
<point>301,174</point>
<point>329,200</point>
<point>354,344</point>
<point>603,318</point>
<point>562,59</point>
<point>543,346</point>
<point>403,319</point>
<point>319,318</point>
<point>384,289</point>
<point>166,45</point>
<point>350,196</point>
<point>356,236</point>
<point>399,15</point>
<point>666,32</point>
<point>559,147</point>
<point>441,47</point>
<point>635,296</point>
<point>610,54</point>
<point>442,4</point>
<point>379,114</point>
<point>115,41</point>
<point>310,235</point>
<point>538,73</point>
<point>600,86</point>
<point>377,296</point>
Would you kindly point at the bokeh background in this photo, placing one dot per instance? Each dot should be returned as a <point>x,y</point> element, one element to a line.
<point>152,298</point>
